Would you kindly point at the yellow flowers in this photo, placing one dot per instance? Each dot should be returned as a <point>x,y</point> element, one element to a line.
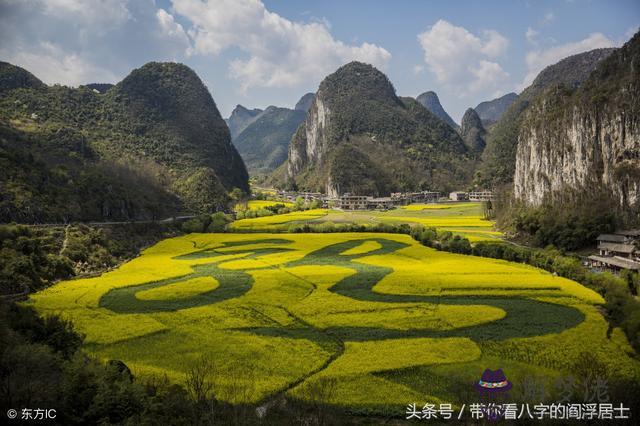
<point>277,222</point>
<point>261,204</point>
<point>297,315</point>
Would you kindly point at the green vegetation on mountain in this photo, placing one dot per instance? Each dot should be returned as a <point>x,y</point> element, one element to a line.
<point>499,157</point>
<point>360,137</point>
<point>431,102</point>
<point>13,77</point>
<point>263,143</point>
<point>151,146</point>
<point>472,131</point>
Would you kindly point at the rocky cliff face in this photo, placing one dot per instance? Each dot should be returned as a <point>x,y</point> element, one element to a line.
<point>576,142</point>
<point>310,141</point>
<point>359,137</point>
<point>472,131</point>
<point>499,156</point>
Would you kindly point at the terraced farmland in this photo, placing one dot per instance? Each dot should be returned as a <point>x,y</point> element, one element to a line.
<point>392,320</point>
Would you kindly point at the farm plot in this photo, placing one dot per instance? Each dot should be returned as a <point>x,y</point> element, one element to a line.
<point>379,315</point>
<point>465,219</point>
<point>261,204</point>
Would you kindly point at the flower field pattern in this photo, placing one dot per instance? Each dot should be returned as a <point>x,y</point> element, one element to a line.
<point>284,312</point>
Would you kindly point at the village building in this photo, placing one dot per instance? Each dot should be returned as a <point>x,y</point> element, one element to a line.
<point>382,203</point>
<point>617,251</point>
<point>353,202</point>
<point>613,263</point>
<point>404,198</point>
<point>481,196</point>
<point>292,196</point>
<point>459,196</point>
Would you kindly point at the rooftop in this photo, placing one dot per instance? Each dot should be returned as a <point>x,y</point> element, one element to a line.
<point>629,232</point>
<point>615,238</point>
<point>619,262</point>
<point>619,248</point>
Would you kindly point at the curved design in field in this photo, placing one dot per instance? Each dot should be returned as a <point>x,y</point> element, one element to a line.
<point>233,283</point>
<point>541,317</point>
<point>369,309</point>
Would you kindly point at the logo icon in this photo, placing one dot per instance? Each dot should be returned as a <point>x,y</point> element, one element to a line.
<point>493,382</point>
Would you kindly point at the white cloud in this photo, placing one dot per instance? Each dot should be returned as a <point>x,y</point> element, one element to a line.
<point>460,59</point>
<point>170,28</point>
<point>548,18</point>
<point>53,65</point>
<point>487,74</point>
<point>495,44</point>
<point>97,13</point>
<point>537,60</point>
<point>418,69</point>
<point>280,52</point>
<point>80,41</point>
<point>531,36</point>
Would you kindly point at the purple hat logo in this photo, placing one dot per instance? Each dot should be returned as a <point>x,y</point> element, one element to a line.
<point>493,381</point>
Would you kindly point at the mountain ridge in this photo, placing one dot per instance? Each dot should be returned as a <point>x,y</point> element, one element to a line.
<point>491,111</point>
<point>431,102</point>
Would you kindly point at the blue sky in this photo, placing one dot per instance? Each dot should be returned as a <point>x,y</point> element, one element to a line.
<point>260,53</point>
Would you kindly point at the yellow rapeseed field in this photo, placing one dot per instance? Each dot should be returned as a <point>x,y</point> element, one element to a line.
<point>290,311</point>
<point>261,204</point>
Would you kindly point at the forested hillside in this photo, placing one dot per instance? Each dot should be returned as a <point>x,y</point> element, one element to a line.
<point>360,137</point>
<point>151,146</point>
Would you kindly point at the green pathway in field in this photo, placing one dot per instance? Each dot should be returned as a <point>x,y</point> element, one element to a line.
<point>540,317</point>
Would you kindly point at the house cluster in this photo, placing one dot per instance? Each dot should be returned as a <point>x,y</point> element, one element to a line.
<point>617,251</point>
<point>292,196</point>
<point>471,196</point>
<point>405,198</point>
<point>363,202</point>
